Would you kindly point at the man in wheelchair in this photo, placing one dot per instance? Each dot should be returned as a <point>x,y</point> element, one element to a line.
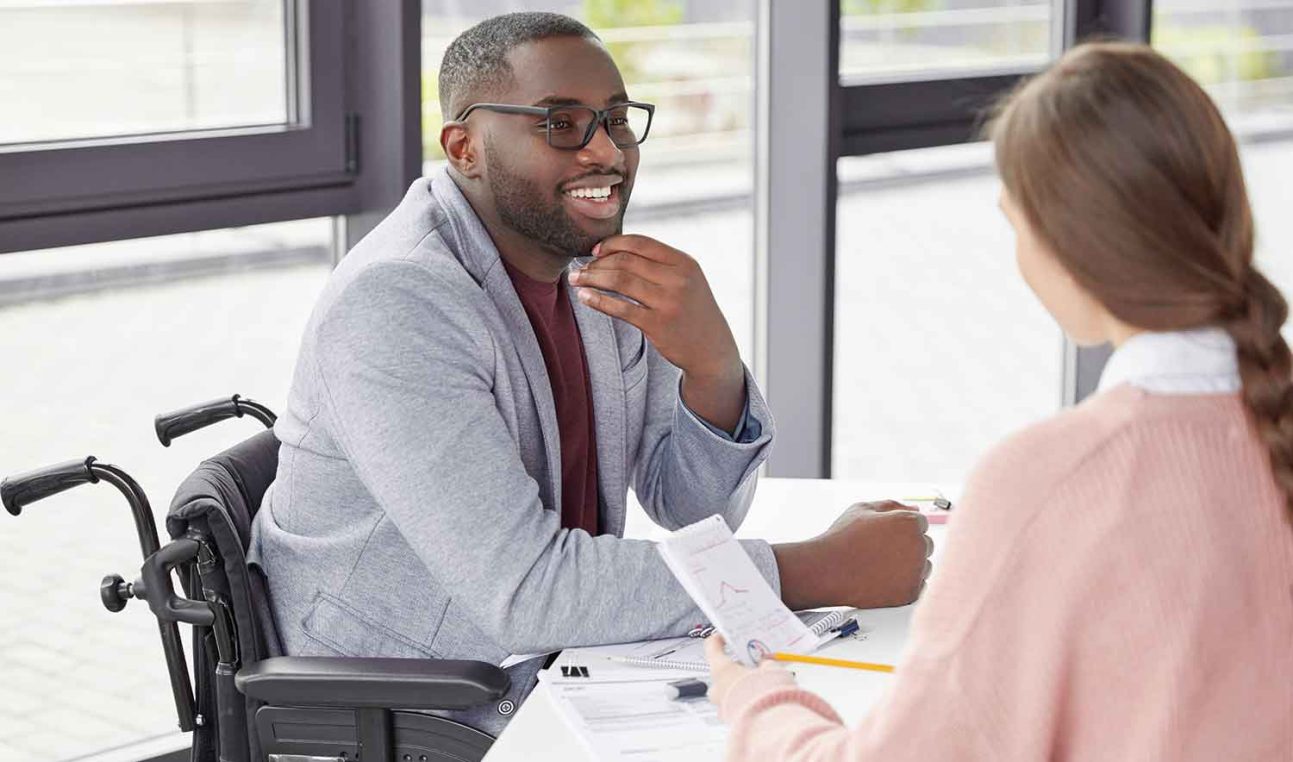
<point>490,370</point>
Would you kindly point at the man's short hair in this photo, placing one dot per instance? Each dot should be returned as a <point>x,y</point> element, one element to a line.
<point>476,61</point>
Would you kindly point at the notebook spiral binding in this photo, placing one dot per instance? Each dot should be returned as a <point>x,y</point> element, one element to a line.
<point>829,621</point>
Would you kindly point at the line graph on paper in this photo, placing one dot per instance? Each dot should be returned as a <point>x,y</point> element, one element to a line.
<point>726,589</point>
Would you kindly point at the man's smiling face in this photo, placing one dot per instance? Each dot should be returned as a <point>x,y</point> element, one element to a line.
<point>566,201</point>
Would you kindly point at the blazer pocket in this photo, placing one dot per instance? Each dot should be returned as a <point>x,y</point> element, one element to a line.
<point>635,370</point>
<point>340,627</point>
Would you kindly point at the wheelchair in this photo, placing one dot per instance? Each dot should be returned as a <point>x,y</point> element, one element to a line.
<point>251,702</point>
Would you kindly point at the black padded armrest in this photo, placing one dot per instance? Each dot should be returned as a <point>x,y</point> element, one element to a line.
<point>382,683</point>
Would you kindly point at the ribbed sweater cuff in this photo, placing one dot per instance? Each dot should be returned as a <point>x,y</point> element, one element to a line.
<point>763,688</point>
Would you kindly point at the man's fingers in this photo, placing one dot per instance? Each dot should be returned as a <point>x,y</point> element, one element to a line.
<point>616,308</point>
<point>620,282</point>
<point>641,246</point>
<point>929,568</point>
<point>929,546</point>
<point>888,505</point>
<point>647,269</point>
<point>923,522</point>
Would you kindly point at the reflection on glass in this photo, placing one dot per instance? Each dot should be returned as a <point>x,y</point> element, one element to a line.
<point>941,349</point>
<point>129,67</point>
<point>925,39</point>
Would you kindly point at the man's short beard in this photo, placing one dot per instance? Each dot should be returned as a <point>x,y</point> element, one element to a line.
<point>536,214</point>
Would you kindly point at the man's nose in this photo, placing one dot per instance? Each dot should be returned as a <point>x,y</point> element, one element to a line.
<point>601,150</point>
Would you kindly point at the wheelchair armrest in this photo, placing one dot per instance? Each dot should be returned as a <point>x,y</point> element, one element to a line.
<point>380,683</point>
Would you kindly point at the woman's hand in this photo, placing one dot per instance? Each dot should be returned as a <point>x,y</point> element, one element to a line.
<point>724,672</point>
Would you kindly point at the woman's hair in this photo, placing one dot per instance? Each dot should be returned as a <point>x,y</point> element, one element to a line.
<point>1125,169</point>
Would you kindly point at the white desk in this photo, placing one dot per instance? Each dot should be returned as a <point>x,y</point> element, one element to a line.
<point>783,510</point>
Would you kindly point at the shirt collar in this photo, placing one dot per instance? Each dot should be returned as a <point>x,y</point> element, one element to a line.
<point>1198,361</point>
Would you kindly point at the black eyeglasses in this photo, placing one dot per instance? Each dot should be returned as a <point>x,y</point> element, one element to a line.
<point>570,128</point>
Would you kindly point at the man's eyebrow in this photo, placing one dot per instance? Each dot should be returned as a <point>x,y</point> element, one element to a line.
<point>557,100</point>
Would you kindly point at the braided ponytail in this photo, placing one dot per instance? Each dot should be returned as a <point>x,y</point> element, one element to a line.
<point>1266,368</point>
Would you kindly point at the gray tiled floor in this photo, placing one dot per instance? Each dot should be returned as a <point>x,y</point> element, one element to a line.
<point>941,349</point>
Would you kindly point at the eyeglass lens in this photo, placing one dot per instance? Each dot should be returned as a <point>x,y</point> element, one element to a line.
<point>568,127</point>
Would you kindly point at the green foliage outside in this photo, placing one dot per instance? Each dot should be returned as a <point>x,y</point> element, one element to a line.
<point>869,7</point>
<point>612,14</point>
<point>432,119</point>
<point>1215,53</point>
<point>608,14</point>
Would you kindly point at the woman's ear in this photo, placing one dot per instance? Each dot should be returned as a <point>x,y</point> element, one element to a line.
<point>460,148</point>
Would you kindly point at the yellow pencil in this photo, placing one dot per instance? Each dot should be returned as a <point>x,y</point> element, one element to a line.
<point>779,656</point>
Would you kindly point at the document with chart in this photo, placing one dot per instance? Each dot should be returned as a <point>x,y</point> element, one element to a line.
<point>720,577</point>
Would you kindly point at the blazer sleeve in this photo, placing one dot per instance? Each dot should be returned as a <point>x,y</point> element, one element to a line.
<point>685,471</point>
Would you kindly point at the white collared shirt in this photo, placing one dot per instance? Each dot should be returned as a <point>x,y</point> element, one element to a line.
<point>1199,361</point>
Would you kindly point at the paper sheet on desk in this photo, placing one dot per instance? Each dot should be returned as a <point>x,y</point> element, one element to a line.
<point>637,721</point>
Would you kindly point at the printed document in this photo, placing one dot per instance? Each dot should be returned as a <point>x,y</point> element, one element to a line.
<point>720,577</point>
<point>638,721</point>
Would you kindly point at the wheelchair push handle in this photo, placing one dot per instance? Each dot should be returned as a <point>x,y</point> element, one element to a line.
<point>17,492</point>
<point>155,576</point>
<point>175,424</point>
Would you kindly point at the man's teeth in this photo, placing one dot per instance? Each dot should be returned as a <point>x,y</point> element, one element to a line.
<point>589,192</point>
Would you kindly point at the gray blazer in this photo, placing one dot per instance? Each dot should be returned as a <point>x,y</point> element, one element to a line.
<point>416,509</point>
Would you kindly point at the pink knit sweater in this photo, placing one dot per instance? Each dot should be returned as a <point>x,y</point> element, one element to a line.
<point>1117,585</point>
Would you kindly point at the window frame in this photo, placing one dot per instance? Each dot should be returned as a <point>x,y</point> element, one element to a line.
<point>355,64</point>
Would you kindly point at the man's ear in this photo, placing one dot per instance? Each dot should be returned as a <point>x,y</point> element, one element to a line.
<point>460,148</point>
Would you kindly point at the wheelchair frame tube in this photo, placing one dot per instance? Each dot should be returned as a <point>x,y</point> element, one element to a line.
<point>181,686</point>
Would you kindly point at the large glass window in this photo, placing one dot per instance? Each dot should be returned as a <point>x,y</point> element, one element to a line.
<point>81,70</point>
<point>1242,52</point>
<point>694,61</point>
<point>926,39</point>
<point>940,347</point>
<point>132,333</point>
<point>177,115</point>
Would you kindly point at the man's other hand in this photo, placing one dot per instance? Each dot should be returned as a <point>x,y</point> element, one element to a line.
<point>874,555</point>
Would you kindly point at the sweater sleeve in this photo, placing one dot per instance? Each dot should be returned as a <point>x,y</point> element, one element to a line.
<point>924,717</point>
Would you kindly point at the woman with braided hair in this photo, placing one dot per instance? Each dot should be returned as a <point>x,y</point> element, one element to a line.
<point>1118,580</point>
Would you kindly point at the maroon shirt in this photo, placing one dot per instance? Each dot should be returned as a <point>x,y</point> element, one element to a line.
<point>553,319</point>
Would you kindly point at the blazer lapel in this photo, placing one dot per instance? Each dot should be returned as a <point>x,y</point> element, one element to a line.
<point>500,289</point>
<point>607,382</point>
<point>480,258</point>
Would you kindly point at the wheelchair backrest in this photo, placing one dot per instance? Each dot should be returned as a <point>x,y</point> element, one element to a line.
<point>219,500</point>
<point>217,503</point>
